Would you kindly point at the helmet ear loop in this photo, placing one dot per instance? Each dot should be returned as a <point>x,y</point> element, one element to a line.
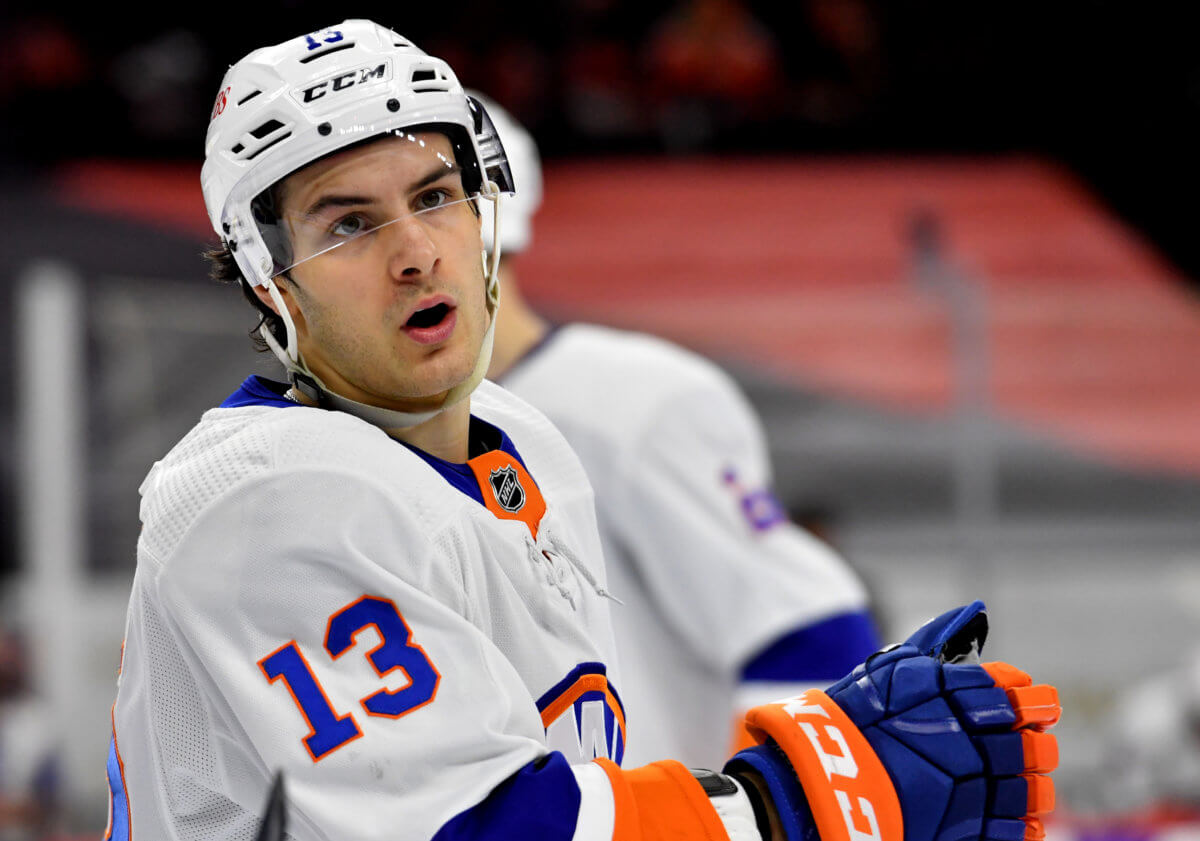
<point>290,356</point>
<point>492,193</point>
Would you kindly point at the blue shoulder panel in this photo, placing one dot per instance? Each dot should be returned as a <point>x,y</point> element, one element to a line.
<point>259,391</point>
<point>823,651</point>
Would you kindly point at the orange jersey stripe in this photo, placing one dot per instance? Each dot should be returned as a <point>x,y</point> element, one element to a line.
<point>587,683</point>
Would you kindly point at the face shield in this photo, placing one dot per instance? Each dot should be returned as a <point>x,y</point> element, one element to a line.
<point>339,208</point>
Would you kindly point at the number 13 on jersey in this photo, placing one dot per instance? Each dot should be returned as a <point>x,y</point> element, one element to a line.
<point>329,730</point>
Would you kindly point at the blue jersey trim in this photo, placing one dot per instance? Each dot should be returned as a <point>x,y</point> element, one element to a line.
<point>460,475</point>
<point>824,651</point>
<point>539,801</point>
<point>259,391</point>
<point>116,791</point>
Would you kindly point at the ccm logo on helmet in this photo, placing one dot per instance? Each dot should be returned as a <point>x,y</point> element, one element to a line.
<point>344,81</point>
<point>829,744</point>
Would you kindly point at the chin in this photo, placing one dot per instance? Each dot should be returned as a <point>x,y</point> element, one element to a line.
<point>431,393</point>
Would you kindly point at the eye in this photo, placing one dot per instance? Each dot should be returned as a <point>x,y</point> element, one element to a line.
<point>430,199</point>
<point>348,226</point>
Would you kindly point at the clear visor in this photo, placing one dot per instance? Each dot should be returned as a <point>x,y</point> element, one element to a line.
<point>339,207</point>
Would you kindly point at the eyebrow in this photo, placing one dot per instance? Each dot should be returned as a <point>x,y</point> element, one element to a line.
<point>328,201</point>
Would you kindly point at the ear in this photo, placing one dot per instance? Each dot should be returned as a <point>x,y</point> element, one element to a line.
<point>263,296</point>
<point>268,301</point>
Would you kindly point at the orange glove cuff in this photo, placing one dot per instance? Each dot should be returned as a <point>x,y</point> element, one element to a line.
<point>851,795</point>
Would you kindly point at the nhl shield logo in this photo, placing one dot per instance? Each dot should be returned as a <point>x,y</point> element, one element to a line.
<point>507,489</point>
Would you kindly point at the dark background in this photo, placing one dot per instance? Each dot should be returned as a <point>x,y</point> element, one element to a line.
<point>1111,89</point>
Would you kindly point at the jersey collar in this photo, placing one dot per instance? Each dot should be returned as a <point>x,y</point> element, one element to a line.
<point>495,476</point>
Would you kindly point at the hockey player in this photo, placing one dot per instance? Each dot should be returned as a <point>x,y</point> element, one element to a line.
<point>383,577</point>
<point>724,601</point>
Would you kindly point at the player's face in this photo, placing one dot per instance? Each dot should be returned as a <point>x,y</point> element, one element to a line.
<point>394,317</point>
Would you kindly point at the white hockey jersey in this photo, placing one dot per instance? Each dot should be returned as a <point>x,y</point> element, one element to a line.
<point>726,604</point>
<point>398,634</point>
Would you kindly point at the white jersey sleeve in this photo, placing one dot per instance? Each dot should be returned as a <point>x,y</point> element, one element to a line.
<point>730,572</point>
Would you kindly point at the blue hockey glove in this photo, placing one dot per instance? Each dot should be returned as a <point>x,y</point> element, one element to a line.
<point>919,743</point>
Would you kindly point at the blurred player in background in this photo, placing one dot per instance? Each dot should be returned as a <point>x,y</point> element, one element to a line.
<point>383,578</point>
<point>28,748</point>
<point>1152,746</point>
<point>726,604</point>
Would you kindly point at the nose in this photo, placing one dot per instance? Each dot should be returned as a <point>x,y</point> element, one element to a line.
<point>411,251</point>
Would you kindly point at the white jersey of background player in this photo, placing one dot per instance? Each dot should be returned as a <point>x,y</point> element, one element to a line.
<point>383,579</point>
<point>726,604</point>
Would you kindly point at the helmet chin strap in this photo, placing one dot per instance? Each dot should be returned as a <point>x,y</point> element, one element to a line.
<point>310,385</point>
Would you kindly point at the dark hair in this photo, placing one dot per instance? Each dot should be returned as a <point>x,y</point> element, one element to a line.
<point>222,267</point>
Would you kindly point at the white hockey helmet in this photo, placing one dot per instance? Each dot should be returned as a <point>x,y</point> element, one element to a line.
<point>283,107</point>
<point>526,167</point>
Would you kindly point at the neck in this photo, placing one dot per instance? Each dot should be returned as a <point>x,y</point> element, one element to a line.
<point>518,327</point>
<point>445,435</point>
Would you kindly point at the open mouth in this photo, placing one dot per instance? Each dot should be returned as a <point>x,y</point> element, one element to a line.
<point>430,317</point>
